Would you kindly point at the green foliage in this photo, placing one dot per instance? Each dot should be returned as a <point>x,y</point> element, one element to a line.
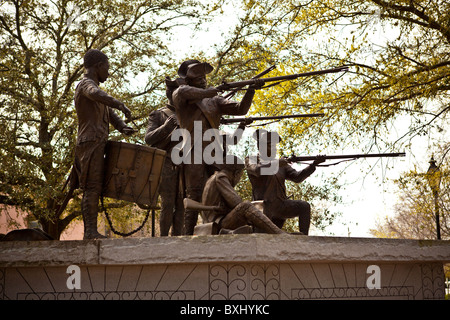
<point>397,51</point>
<point>415,216</point>
<point>43,44</point>
<point>322,198</point>
<point>405,76</point>
<point>127,217</point>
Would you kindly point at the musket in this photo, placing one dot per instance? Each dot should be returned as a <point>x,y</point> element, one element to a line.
<point>345,156</point>
<point>239,119</point>
<point>239,84</point>
<point>259,75</point>
<point>194,205</point>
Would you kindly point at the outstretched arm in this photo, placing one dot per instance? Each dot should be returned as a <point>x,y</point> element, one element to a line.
<point>240,108</point>
<point>188,93</point>
<point>90,89</point>
<point>118,123</point>
<point>299,176</point>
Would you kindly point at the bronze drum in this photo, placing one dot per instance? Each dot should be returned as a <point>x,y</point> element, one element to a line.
<point>133,173</point>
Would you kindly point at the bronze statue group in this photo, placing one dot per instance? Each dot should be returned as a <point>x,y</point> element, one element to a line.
<point>189,101</point>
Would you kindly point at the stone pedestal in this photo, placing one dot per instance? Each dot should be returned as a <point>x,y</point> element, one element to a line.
<point>256,266</point>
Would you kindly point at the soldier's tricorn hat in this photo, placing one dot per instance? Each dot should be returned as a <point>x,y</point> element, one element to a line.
<point>264,135</point>
<point>194,69</point>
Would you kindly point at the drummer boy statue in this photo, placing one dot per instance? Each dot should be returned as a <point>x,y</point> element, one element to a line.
<point>94,112</point>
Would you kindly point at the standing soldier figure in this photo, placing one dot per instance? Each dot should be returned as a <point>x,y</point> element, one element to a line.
<point>94,112</point>
<point>193,101</point>
<point>161,124</point>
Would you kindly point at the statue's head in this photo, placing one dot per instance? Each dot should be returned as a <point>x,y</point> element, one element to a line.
<point>96,61</point>
<point>233,168</point>
<point>266,141</point>
<point>194,72</point>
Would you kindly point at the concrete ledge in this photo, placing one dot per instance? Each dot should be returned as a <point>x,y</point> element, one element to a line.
<point>256,266</point>
<point>47,253</point>
<point>227,248</point>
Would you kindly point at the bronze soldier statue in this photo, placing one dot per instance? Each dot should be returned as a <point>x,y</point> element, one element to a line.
<point>94,112</point>
<point>193,101</point>
<point>234,213</point>
<point>161,124</point>
<point>271,187</point>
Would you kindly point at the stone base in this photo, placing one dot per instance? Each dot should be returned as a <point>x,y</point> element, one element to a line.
<point>256,266</point>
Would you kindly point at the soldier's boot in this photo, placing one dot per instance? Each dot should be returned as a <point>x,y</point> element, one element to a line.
<point>245,211</point>
<point>191,216</point>
<point>89,210</point>
<point>166,213</point>
<point>190,221</point>
<point>304,220</point>
<point>261,221</point>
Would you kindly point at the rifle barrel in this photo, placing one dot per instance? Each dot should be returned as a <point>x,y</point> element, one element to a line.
<point>348,156</point>
<point>239,119</point>
<point>238,84</point>
<point>259,75</point>
<point>263,73</point>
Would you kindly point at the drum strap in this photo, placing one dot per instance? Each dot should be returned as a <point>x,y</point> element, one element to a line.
<point>128,233</point>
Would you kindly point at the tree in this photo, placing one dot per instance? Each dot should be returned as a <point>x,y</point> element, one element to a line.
<point>415,210</point>
<point>401,77</point>
<point>40,62</point>
<point>405,77</point>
